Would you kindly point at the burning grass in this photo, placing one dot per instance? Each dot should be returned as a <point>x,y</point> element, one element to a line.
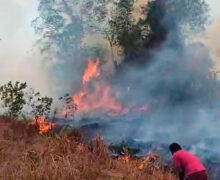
<point>24,154</point>
<point>42,125</point>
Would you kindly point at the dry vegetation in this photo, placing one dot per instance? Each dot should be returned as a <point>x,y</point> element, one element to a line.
<point>26,155</point>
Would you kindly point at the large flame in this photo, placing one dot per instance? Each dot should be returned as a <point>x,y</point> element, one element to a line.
<point>98,97</point>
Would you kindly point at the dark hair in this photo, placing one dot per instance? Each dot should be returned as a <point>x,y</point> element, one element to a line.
<point>174,147</point>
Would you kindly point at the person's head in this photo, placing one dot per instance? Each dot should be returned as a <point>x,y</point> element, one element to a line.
<point>174,147</point>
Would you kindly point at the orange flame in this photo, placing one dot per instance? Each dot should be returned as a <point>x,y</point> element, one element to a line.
<point>100,99</point>
<point>91,71</point>
<point>44,126</point>
<point>97,96</point>
<point>126,158</point>
<point>139,164</point>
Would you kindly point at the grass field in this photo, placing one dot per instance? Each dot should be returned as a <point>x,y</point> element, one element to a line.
<point>26,155</point>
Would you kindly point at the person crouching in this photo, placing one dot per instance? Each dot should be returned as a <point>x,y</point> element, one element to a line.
<point>187,165</point>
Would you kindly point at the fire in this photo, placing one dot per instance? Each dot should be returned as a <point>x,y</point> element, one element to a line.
<point>138,164</point>
<point>92,71</point>
<point>98,97</point>
<point>141,166</point>
<point>43,125</point>
<point>126,158</point>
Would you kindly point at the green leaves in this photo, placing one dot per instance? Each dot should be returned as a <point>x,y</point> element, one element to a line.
<point>12,96</point>
<point>41,107</point>
<point>16,97</point>
<point>64,25</point>
<point>124,32</point>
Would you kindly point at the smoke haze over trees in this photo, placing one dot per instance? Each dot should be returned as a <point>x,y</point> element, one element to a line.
<point>153,58</point>
<point>155,44</point>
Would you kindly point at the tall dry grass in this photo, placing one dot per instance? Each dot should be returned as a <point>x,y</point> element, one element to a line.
<point>24,155</point>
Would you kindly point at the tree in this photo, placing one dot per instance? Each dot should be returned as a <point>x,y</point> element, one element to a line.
<point>180,16</point>
<point>123,31</point>
<point>40,106</point>
<point>63,25</point>
<point>60,30</point>
<point>12,96</point>
<point>98,19</point>
<point>114,21</point>
<point>164,21</point>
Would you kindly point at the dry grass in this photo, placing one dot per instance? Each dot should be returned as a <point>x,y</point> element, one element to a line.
<point>26,155</point>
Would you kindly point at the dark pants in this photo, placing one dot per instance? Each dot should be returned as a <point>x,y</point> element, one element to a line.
<point>202,175</point>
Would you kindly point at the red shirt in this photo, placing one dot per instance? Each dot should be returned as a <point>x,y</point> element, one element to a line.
<point>187,161</point>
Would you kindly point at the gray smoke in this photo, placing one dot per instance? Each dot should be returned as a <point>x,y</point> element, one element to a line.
<point>177,86</point>
<point>173,77</point>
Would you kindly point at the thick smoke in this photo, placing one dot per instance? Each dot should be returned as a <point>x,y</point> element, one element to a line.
<point>173,77</point>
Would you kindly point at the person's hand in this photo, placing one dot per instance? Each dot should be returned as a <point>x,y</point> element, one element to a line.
<point>181,174</point>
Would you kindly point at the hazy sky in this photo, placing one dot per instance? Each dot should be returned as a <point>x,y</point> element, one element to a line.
<point>17,61</point>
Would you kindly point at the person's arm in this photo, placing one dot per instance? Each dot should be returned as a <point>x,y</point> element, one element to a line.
<point>178,168</point>
<point>181,174</point>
